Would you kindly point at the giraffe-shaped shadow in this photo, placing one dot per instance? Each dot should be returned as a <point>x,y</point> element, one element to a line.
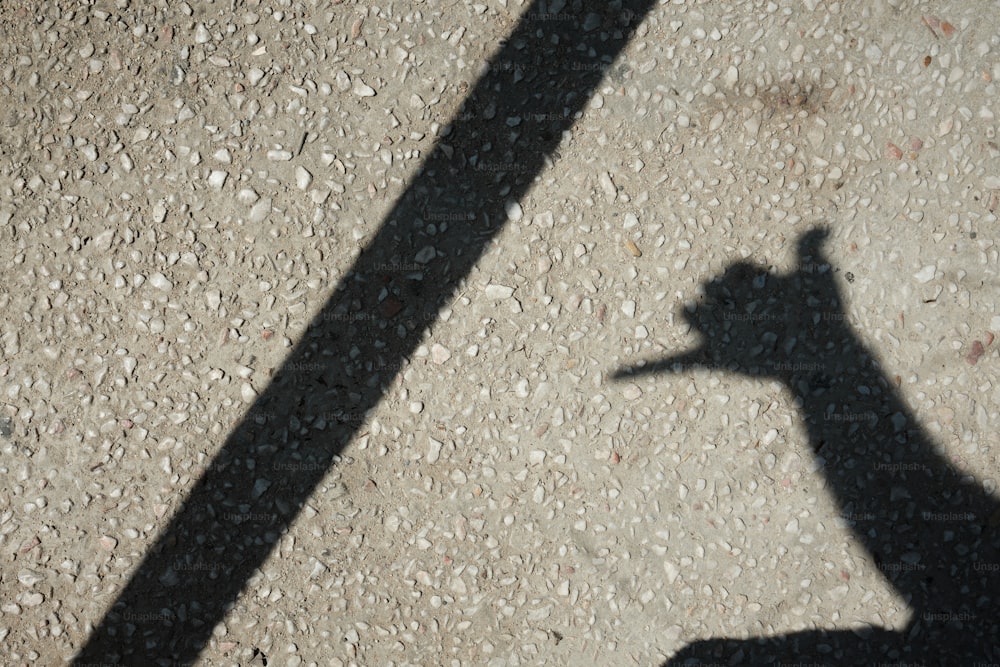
<point>929,528</point>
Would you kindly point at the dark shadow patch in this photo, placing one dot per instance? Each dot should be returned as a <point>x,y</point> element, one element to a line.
<point>930,530</point>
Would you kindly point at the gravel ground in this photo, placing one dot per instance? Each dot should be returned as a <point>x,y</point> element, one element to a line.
<point>187,186</point>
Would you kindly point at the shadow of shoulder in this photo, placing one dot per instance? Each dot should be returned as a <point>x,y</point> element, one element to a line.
<point>812,648</point>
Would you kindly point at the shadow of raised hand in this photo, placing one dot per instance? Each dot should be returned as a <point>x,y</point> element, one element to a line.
<point>928,527</point>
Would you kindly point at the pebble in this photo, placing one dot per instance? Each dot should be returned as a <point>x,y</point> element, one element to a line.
<point>255,76</point>
<point>513,210</point>
<point>303,178</point>
<point>362,89</point>
<point>439,354</point>
<point>248,393</point>
<point>33,599</point>
<point>425,255</point>
<point>608,185</point>
<point>434,450</point>
<point>497,292</point>
<point>260,210</point>
<point>217,178</point>
<point>247,196</point>
<point>975,353</point>
<point>732,76</point>
<point>29,577</point>
<point>926,274</point>
<point>631,392</point>
<point>160,282</point>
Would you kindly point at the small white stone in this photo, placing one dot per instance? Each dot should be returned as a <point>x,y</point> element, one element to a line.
<point>247,196</point>
<point>631,220</point>
<point>248,393</point>
<point>32,599</point>
<point>260,210</point>
<point>362,89</point>
<point>159,281</point>
<point>103,240</point>
<point>608,185</point>
<point>926,274</point>
<point>255,75</point>
<point>433,450</point>
<point>628,307</point>
<point>439,353</point>
<point>495,292</point>
<point>29,577</point>
<point>201,34</point>
<point>214,299</point>
<point>217,178</point>
<point>631,392</point>
<point>302,178</point>
<point>416,407</point>
<point>513,210</point>
<point>732,76</point>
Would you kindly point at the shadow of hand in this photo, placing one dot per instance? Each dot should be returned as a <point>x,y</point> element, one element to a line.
<point>928,531</point>
<point>758,323</point>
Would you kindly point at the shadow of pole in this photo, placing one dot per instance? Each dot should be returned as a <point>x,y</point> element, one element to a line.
<point>928,528</point>
<point>265,473</point>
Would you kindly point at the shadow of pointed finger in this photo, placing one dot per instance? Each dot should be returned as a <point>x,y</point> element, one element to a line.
<point>673,364</point>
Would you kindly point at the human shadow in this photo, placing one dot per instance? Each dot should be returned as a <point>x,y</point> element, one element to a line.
<point>505,134</point>
<point>928,527</point>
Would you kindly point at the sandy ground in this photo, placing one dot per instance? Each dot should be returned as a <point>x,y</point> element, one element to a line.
<point>185,185</point>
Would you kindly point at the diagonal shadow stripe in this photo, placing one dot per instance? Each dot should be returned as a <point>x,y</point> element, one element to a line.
<point>545,73</point>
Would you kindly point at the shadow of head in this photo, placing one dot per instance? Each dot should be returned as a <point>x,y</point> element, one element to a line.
<point>759,323</point>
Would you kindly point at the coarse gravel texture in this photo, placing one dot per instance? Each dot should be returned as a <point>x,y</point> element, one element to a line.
<point>183,186</point>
